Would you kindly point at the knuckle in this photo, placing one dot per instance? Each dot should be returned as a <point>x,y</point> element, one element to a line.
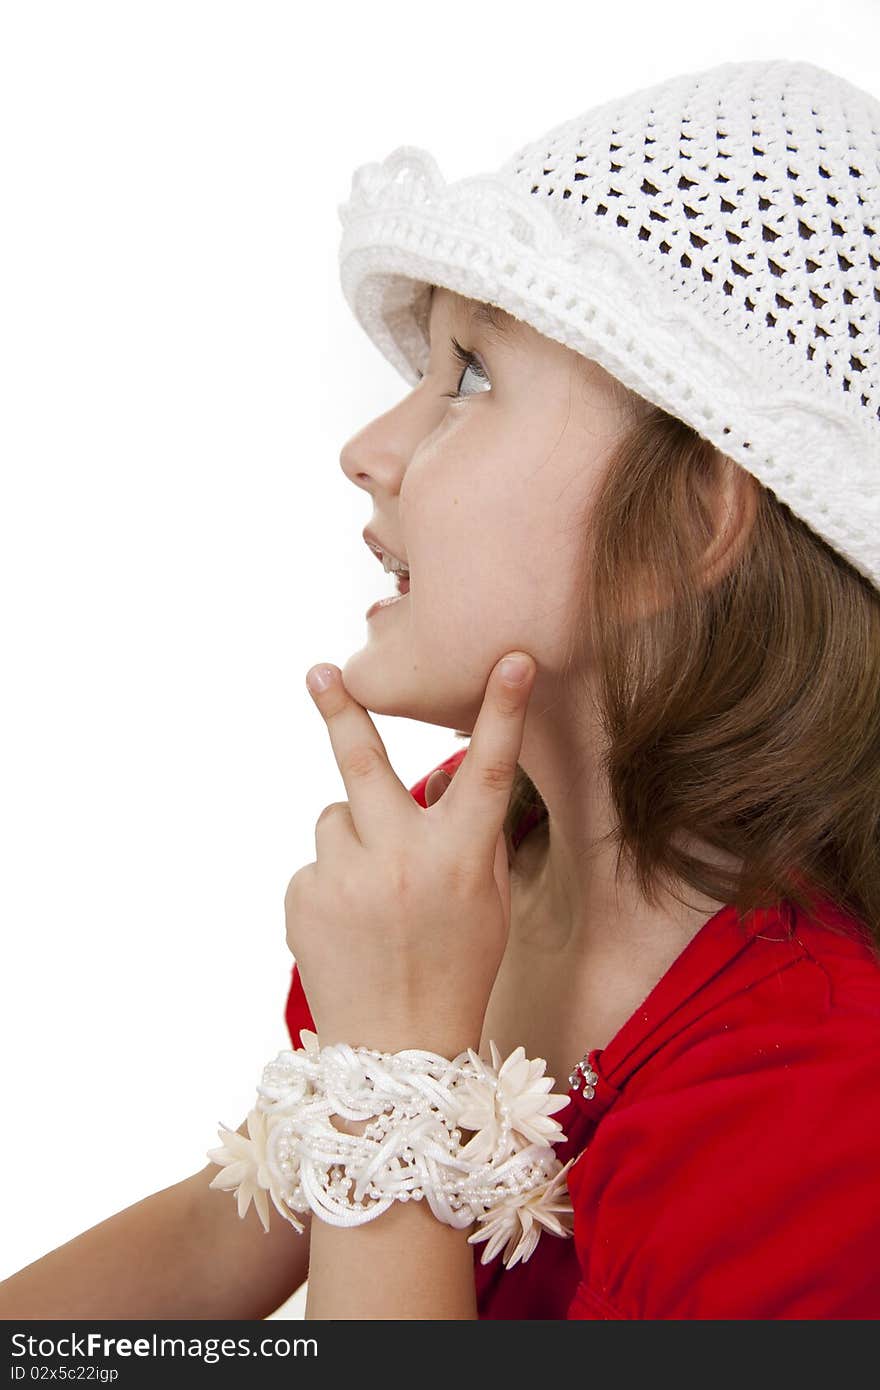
<point>497,775</point>
<point>362,761</point>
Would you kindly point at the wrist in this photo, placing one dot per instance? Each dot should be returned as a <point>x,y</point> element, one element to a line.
<point>419,1110</point>
<point>445,1044</point>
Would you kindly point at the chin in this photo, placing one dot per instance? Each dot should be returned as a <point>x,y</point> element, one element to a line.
<point>372,688</point>
<point>379,689</point>
<point>364,688</point>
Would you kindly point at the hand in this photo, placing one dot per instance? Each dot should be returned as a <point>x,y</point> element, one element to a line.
<point>400,925</point>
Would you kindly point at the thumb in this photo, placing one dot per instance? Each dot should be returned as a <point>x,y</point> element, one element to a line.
<point>435,786</point>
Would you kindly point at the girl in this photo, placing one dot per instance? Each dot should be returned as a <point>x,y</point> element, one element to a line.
<point>639,450</point>
<point>640,447</point>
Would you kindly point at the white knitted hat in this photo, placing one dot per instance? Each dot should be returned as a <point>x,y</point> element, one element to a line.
<point>712,241</point>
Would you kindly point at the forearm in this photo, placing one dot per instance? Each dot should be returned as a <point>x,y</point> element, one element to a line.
<point>182,1252</point>
<point>403,1264</point>
<point>246,1272</point>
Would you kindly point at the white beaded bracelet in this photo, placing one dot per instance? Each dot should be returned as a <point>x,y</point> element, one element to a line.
<point>506,1177</point>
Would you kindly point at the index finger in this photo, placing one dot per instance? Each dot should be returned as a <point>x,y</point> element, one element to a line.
<point>375,793</point>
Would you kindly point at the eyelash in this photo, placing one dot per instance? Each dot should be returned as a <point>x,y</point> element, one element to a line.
<point>467,359</point>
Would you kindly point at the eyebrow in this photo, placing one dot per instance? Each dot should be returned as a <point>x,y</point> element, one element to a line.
<point>497,322</point>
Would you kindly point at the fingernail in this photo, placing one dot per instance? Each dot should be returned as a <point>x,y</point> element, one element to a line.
<point>319,678</point>
<point>514,669</point>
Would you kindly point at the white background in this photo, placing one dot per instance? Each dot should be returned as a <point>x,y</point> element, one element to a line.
<point>178,544</point>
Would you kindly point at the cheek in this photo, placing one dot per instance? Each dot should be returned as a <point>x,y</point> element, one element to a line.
<point>484,582</point>
<point>463,535</point>
<point>495,552</point>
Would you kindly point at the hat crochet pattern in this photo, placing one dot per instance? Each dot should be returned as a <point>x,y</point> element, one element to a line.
<point>713,241</point>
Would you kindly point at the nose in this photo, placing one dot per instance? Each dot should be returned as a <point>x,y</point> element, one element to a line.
<point>376,457</point>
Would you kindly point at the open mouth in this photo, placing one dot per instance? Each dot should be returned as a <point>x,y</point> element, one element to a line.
<point>392,564</point>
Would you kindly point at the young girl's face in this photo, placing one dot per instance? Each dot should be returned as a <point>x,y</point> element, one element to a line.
<point>485,497</point>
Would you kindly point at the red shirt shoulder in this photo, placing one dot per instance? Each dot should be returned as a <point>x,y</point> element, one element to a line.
<point>735,1176</point>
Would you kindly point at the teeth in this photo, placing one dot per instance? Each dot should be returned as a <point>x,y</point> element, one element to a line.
<point>392,566</point>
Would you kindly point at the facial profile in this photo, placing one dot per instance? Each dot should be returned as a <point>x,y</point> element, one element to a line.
<point>481,479</point>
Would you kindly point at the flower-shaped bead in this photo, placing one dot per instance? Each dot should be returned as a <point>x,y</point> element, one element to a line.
<point>519,1087</point>
<point>243,1166</point>
<point>516,1222</point>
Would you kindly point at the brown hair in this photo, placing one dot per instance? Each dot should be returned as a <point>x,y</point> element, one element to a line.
<point>743,710</point>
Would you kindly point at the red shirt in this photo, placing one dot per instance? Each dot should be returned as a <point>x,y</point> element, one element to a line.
<point>730,1158</point>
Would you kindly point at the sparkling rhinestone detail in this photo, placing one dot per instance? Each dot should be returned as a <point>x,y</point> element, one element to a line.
<point>583,1071</point>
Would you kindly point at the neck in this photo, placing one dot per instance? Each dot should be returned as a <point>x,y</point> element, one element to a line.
<point>569,904</point>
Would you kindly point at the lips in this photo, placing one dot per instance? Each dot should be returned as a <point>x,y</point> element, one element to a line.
<point>378,546</point>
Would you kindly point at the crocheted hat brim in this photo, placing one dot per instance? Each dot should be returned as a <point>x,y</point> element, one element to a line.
<point>405,228</point>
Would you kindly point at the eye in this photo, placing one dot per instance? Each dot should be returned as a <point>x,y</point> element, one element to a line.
<point>470,363</point>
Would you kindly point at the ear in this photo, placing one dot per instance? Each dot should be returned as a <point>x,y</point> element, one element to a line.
<point>731,499</point>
